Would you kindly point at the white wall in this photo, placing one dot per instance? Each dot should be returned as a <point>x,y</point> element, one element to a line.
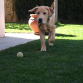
<point>2,19</point>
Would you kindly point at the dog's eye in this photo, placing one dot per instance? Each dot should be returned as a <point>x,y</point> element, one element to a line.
<point>44,13</point>
<point>38,12</point>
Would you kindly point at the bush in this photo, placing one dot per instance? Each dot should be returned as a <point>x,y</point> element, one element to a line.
<point>22,7</point>
<point>70,10</point>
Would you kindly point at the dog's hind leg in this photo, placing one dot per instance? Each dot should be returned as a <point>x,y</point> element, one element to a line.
<point>51,37</point>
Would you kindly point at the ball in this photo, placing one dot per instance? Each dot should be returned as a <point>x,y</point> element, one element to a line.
<point>19,54</point>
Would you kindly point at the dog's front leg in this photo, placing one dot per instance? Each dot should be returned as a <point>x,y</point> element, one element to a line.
<point>42,38</point>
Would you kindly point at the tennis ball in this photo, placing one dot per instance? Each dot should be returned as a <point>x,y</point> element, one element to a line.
<point>19,54</point>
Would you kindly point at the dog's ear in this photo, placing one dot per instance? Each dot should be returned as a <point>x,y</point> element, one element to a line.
<point>33,10</point>
<point>51,11</point>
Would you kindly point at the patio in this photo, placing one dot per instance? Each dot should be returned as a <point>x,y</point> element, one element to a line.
<point>13,39</point>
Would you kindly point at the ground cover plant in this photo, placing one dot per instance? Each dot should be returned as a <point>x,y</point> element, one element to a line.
<point>62,63</point>
<point>17,28</point>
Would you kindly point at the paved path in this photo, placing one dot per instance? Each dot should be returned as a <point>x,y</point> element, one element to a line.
<point>13,39</point>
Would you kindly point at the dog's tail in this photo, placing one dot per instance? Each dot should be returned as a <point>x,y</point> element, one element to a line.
<point>52,6</point>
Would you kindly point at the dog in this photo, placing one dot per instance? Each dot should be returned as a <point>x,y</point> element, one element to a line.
<point>46,24</point>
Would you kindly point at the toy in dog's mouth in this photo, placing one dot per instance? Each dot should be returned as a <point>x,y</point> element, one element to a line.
<point>40,25</point>
<point>40,22</point>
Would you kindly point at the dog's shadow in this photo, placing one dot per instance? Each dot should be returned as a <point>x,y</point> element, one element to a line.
<point>62,35</point>
<point>65,35</point>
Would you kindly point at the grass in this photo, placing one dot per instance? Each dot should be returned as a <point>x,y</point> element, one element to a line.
<point>62,63</point>
<point>17,28</point>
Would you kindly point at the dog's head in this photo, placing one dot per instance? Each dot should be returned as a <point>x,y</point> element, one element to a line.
<point>43,13</point>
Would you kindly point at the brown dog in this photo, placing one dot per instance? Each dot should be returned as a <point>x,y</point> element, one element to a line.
<point>46,23</point>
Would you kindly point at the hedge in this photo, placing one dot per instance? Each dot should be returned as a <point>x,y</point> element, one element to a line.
<point>22,7</point>
<point>71,10</point>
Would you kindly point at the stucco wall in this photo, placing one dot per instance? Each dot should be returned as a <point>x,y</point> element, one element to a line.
<point>2,21</point>
<point>10,14</point>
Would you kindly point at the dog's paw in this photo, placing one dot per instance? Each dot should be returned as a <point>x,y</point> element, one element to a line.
<point>50,44</point>
<point>43,49</point>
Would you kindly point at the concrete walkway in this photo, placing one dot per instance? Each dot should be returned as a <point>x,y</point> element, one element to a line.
<point>13,39</point>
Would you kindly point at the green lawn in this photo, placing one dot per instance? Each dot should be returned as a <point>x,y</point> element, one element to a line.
<point>62,63</point>
<point>17,28</point>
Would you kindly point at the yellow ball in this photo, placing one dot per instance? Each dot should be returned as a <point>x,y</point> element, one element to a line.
<point>19,54</point>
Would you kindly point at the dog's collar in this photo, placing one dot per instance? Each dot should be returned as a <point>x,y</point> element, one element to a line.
<point>48,19</point>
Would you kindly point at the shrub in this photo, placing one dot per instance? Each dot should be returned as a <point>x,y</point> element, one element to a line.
<point>67,9</point>
<point>22,7</point>
<point>71,10</point>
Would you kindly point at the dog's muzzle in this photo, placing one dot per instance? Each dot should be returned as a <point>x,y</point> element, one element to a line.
<point>40,20</point>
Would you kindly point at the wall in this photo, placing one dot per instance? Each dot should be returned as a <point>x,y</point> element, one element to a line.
<point>10,14</point>
<point>2,20</point>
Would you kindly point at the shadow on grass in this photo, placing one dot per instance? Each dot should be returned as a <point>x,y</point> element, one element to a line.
<point>68,48</point>
<point>60,46</point>
<point>65,35</point>
<point>25,26</point>
<point>59,25</point>
<point>62,35</point>
<point>63,61</point>
<point>19,26</point>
